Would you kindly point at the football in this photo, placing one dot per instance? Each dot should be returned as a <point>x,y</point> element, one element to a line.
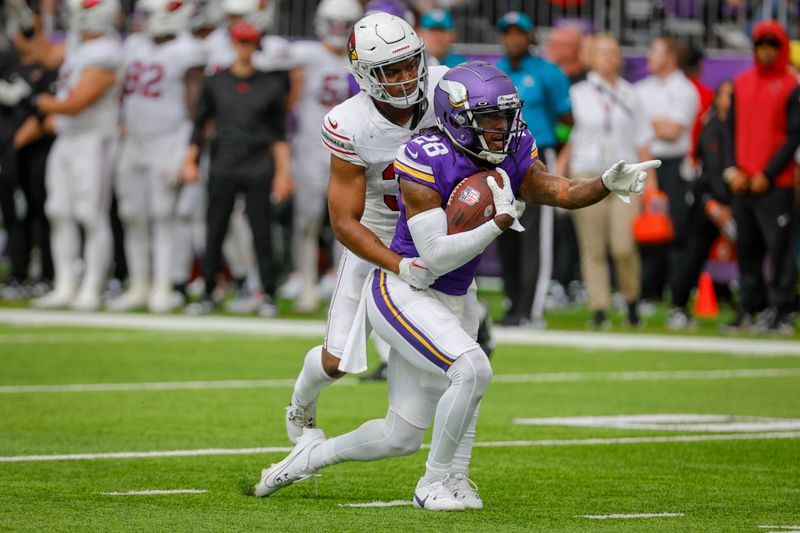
<point>471,202</point>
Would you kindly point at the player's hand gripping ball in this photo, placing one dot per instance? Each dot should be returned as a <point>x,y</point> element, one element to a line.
<point>471,203</point>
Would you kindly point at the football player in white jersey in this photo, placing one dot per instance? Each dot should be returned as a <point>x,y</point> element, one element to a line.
<point>322,81</point>
<point>86,111</point>
<point>163,69</point>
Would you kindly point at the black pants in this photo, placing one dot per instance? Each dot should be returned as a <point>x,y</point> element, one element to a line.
<point>520,256</point>
<point>701,238</point>
<point>661,262</point>
<point>222,193</point>
<point>765,226</point>
<point>25,172</point>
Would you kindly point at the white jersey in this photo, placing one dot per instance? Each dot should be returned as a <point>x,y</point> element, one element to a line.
<point>325,85</point>
<point>103,53</point>
<point>275,52</point>
<point>356,132</point>
<point>155,88</point>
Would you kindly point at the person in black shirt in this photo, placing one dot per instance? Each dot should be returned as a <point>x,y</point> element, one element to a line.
<point>249,155</point>
<point>711,213</point>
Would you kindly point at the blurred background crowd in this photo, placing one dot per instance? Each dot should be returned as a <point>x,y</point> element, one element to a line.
<point>165,154</point>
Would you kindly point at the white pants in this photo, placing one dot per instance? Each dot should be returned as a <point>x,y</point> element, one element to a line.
<point>428,330</point>
<point>148,177</point>
<point>79,176</point>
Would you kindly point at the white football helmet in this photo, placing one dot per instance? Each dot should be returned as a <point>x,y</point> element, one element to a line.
<point>93,16</point>
<point>334,21</point>
<point>260,13</point>
<point>206,14</point>
<point>165,17</point>
<point>379,40</point>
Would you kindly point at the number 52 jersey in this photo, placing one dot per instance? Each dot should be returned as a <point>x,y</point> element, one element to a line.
<point>358,133</point>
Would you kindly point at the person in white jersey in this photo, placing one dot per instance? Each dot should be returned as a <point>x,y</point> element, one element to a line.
<point>322,82</point>
<point>163,68</point>
<point>86,113</point>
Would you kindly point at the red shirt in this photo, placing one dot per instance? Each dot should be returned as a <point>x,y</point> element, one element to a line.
<point>761,96</point>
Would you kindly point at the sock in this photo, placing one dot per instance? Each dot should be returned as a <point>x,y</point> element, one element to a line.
<point>464,451</point>
<point>137,251</point>
<point>376,439</point>
<point>163,238</point>
<point>64,243</point>
<point>97,253</point>
<point>312,379</point>
<point>182,252</point>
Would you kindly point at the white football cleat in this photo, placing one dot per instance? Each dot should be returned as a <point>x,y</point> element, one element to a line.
<point>464,490</point>
<point>294,467</point>
<point>436,496</point>
<point>164,300</point>
<point>58,298</point>
<point>132,299</point>
<point>299,418</point>
<point>292,287</point>
<point>87,300</point>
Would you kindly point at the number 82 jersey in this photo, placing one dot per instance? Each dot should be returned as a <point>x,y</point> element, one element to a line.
<point>356,132</point>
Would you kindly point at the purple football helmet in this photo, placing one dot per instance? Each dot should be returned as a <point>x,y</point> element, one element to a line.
<point>477,98</point>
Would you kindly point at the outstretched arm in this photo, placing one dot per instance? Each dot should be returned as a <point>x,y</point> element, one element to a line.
<point>541,187</point>
<point>623,178</point>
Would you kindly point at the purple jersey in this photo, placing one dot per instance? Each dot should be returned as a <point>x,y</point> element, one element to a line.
<point>432,160</point>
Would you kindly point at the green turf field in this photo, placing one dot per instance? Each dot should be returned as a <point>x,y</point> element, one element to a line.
<point>532,478</point>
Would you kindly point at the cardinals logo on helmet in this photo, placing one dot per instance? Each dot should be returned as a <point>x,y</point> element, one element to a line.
<point>351,46</point>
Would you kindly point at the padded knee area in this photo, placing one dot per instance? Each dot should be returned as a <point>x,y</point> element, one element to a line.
<point>400,437</point>
<point>472,371</point>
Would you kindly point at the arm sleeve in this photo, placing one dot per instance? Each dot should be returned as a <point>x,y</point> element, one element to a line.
<point>204,111</point>
<point>444,253</point>
<point>784,155</point>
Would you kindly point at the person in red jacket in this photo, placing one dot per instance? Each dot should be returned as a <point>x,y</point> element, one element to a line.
<point>766,134</point>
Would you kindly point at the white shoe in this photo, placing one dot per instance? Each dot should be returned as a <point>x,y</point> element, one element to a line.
<point>437,497</point>
<point>308,302</point>
<point>87,300</point>
<point>299,418</point>
<point>465,490</point>
<point>134,298</point>
<point>292,287</point>
<point>164,300</point>
<point>244,304</point>
<point>294,467</point>
<point>58,298</point>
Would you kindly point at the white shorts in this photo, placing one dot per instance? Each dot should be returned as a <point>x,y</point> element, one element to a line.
<point>148,175</point>
<point>429,329</point>
<point>350,278</point>
<point>78,176</point>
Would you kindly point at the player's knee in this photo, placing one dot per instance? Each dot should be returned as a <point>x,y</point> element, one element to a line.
<point>473,370</point>
<point>401,437</point>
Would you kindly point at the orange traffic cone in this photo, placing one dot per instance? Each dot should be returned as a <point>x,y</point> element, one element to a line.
<point>705,305</point>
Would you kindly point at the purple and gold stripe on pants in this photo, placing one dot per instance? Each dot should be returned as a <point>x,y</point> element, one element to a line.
<point>403,326</point>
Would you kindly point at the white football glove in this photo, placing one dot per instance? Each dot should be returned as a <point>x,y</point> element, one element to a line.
<point>415,272</point>
<point>625,178</point>
<point>504,201</point>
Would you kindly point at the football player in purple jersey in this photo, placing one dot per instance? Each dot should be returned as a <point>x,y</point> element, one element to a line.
<point>437,372</point>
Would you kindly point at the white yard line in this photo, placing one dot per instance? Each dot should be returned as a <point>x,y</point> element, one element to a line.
<point>642,515</point>
<point>779,527</point>
<point>316,329</point>
<point>393,503</point>
<point>498,444</point>
<point>556,377</point>
<point>153,492</point>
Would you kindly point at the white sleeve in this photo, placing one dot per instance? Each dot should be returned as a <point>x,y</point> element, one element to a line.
<point>339,140</point>
<point>444,253</point>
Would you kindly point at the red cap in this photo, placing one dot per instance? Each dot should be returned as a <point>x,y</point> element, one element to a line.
<point>245,32</point>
